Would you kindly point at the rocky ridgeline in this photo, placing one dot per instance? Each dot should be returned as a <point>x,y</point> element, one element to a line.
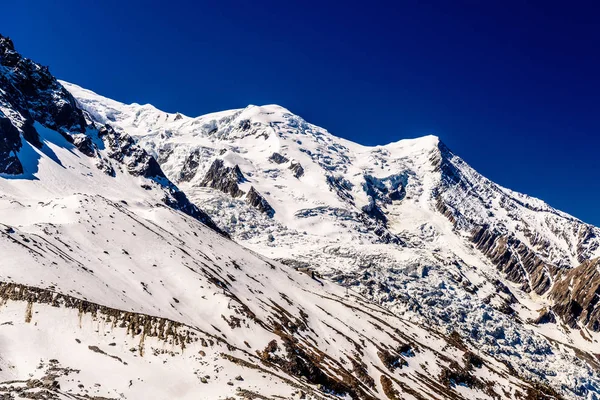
<point>535,264</point>
<point>225,179</point>
<point>136,324</point>
<point>515,259</point>
<point>31,94</point>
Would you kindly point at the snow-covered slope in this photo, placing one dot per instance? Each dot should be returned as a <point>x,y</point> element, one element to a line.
<point>408,224</point>
<point>113,285</point>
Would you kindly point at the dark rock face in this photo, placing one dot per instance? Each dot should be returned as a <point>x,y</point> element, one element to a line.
<point>382,192</point>
<point>511,256</point>
<point>190,166</point>
<point>386,190</point>
<point>256,200</point>
<point>373,211</point>
<point>244,125</point>
<point>84,144</point>
<point>33,91</point>
<point>297,169</point>
<point>545,317</point>
<point>123,148</point>
<point>341,187</point>
<point>576,294</point>
<point>225,179</point>
<point>10,144</point>
<point>33,95</point>
<point>278,158</point>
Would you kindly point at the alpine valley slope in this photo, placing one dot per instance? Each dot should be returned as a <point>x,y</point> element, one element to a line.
<point>409,225</point>
<point>113,285</point>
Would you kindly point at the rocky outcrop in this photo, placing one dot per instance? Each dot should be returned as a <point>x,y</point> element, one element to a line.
<point>342,187</point>
<point>257,201</point>
<point>373,211</point>
<point>511,256</point>
<point>296,169</point>
<point>385,190</point>
<point>36,94</point>
<point>190,166</point>
<point>445,210</point>
<point>576,294</point>
<point>225,179</point>
<point>135,323</point>
<point>10,144</point>
<point>382,192</point>
<point>32,94</point>
<point>122,148</point>
<point>278,158</point>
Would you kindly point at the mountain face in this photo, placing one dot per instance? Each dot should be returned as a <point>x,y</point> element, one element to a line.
<point>114,285</point>
<point>409,225</point>
<point>382,272</point>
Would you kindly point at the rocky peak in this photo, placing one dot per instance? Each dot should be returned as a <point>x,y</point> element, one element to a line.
<point>257,201</point>
<point>32,94</point>
<point>32,88</point>
<point>123,148</point>
<point>223,178</point>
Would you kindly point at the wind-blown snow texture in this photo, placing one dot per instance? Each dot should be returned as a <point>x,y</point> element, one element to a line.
<point>409,225</point>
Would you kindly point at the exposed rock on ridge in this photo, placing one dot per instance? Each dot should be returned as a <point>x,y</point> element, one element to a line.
<point>225,179</point>
<point>576,294</point>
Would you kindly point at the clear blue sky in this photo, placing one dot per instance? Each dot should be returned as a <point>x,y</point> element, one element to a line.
<point>511,87</point>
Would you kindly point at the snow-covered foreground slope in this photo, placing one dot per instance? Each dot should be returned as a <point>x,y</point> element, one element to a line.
<point>410,225</point>
<point>113,285</point>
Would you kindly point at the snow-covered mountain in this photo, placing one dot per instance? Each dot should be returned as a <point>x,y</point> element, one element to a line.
<point>409,225</point>
<point>114,285</point>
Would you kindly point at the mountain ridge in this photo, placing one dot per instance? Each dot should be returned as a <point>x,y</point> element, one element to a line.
<point>111,286</point>
<point>368,217</point>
